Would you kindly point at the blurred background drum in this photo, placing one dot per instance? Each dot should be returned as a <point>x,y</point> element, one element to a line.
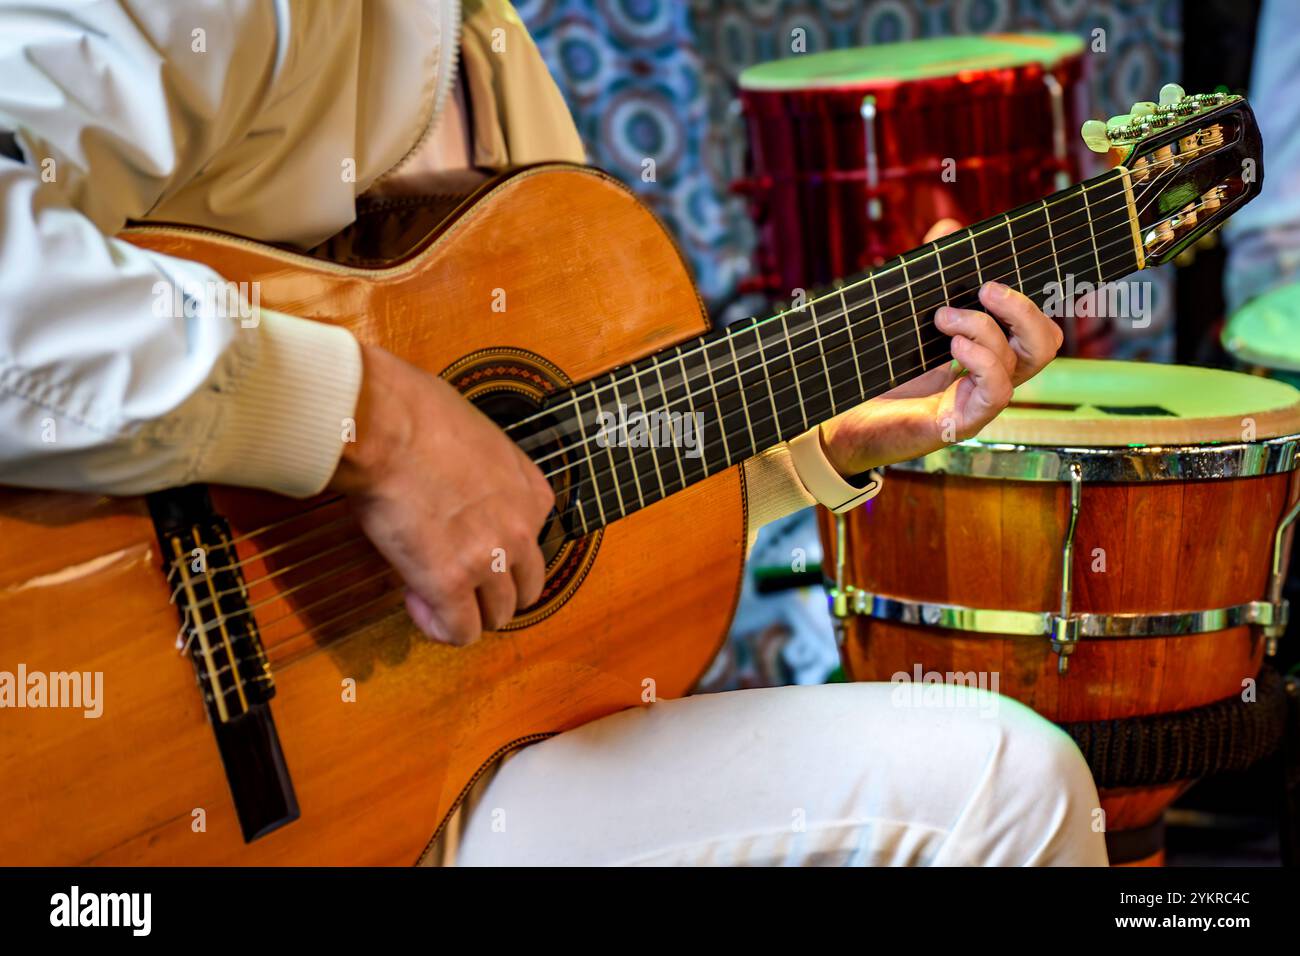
<point>1130,521</point>
<point>856,153</point>
<point>1263,336</point>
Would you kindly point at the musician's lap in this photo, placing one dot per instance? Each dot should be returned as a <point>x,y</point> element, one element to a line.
<point>837,774</point>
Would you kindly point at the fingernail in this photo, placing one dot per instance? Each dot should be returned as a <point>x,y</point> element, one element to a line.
<point>942,315</point>
<point>996,290</point>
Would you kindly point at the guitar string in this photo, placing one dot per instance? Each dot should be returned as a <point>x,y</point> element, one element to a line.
<point>689,381</point>
<point>1146,171</point>
<point>1006,219</point>
<point>752,350</point>
<point>604,471</point>
<point>848,346</point>
<point>776,393</point>
<point>565,512</point>
<point>222,616</point>
<point>316,630</point>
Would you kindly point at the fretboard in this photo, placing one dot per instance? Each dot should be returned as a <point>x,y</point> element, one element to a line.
<point>651,428</point>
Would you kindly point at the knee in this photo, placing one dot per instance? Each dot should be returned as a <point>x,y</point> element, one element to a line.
<point>1053,788</point>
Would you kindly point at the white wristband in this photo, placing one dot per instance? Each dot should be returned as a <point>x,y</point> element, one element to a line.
<point>823,482</point>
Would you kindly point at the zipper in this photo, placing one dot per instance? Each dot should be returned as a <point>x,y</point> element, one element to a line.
<point>451,10</point>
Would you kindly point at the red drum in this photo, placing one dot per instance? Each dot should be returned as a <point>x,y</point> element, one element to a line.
<point>856,153</point>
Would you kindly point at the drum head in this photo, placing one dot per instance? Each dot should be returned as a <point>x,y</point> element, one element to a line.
<point>1089,403</point>
<point>1264,331</point>
<point>889,63</point>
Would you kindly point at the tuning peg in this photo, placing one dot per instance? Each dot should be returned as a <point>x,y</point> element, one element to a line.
<point>1145,108</point>
<point>1094,136</point>
<point>1123,119</point>
<point>1170,94</point>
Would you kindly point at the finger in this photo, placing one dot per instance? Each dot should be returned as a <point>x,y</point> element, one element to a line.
<point>529,574</point>
<point>540,493</point>
<point>988,382</point>
<point>978,327</point>
<point>940,229</point>
<point>421,613</point>
<point>929,383</point>
<point>1034,337</point>
<point>497,599</point>
<point>454,620</point>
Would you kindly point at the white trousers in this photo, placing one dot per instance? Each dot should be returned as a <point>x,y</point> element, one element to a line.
<point>843,774</point>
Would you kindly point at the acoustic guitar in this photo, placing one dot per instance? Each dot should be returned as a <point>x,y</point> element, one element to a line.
<point>265,699</point>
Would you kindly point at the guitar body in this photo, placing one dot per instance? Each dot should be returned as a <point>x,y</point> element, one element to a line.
<point>381,730</point>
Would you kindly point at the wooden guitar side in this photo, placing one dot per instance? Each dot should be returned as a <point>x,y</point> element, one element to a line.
<point>590,281</point>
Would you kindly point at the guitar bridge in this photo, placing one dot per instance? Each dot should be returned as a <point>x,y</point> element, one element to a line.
<point>219,634</point>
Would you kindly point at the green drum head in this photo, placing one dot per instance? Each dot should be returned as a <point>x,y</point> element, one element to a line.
<point>888,63</point>
<point>1094,403</point>
<point>1266,331</point>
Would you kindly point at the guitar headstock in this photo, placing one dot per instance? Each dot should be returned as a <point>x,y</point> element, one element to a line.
<point>1193,160</point>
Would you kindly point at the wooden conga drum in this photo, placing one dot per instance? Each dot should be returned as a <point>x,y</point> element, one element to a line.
<point>1110,552</point>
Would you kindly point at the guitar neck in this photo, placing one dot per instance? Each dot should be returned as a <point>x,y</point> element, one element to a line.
<point>646,430</point>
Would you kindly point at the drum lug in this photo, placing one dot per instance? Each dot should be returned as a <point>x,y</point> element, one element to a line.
<point>1276,606</point>
<point>1065,626</point>
<point>868,113</point>
<point>1064,635</point>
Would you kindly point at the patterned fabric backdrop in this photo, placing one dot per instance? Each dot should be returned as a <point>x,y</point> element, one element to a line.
<point>655,80</point>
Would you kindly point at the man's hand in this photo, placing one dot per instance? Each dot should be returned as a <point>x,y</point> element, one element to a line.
<point>438,488</point>
<point>949,404</point>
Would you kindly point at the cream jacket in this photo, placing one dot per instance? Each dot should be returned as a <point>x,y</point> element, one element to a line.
<point>124,371</point>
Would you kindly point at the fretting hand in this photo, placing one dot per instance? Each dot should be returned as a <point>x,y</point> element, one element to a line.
<point>950,403</point>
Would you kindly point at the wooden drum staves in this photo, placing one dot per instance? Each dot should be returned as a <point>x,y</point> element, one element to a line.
<point>1110,551</point>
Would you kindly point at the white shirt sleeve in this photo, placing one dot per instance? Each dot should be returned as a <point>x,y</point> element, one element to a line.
<point>122,370</point>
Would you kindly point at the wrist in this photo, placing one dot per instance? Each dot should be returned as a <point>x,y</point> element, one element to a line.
<point>379,424</point>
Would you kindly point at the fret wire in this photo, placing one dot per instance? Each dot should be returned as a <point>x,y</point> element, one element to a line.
<point>1011,238</point>
<point>1047,218</point>
<point>744,403</point>
<point>852,343</point>
<point>609,451</point>
<point>650,433</point>
<point>794,372</point>
<point>767,374</point>
<point>689,394</point>
<point>821,347</point>
<point>626,439</point>
<point>717,403</point>
<point>916,320</point>
<point>586,453</point>
<point>938,262</point>
<point>1092,231</point>
<point>677,454</point>
<point>975,257</point>
<point>884,333</point>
